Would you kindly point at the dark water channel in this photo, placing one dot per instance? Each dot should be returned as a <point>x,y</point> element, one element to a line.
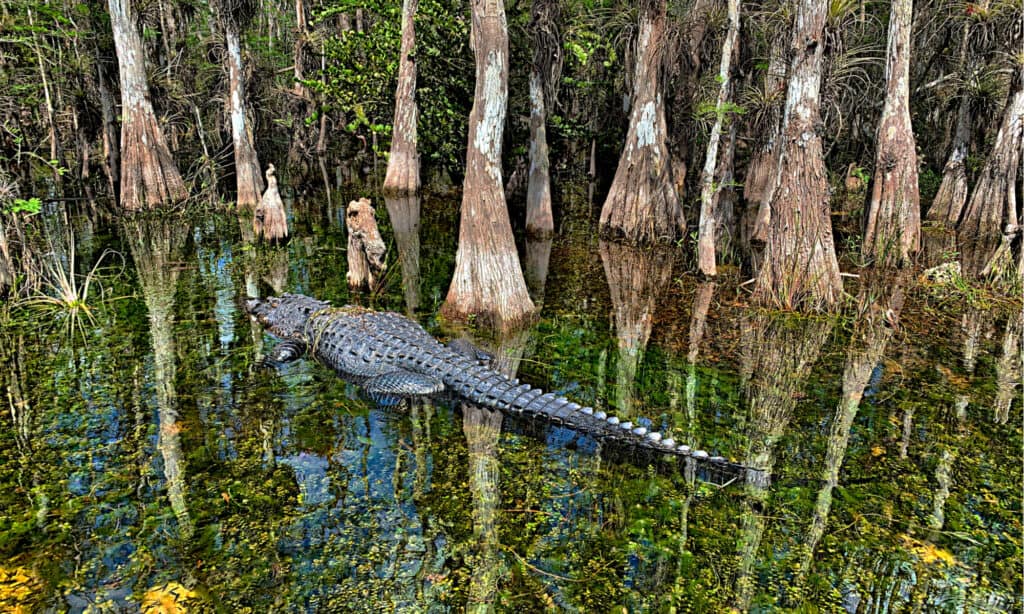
<point>149,463</point>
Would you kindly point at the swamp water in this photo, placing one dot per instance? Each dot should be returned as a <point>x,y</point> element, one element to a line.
<point>148,462</point>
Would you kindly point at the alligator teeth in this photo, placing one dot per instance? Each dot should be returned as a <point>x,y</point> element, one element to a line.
<point>685,449</point>
<point>588,410</point>
<point>641,431</point>
<point>669,443</point>
<point>654,436</point>
<point>717,459</point>
<point>600,415</point>
<point>700,454</point>
<point>626,425</point>
<point>613,420</point>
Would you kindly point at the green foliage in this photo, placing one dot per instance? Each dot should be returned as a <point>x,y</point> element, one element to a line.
<point>928,182</point>
<point>20,205</point>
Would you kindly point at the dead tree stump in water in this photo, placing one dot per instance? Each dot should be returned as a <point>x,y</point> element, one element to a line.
<point>269,220</point>
<point>366,251</point>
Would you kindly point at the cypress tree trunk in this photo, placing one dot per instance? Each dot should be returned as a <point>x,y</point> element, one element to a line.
<point>149,177</point>
<point>539,220</point>
<point>544,73</point>
<point>299,50</point>
<point>403,174</point>
<point>893,233</point>
<point>993,205</point>
<point>642,204</point>
<point>800,269</point>
<point>709,191</point>
<point>762,168</point>
<point>488,281</point>
<point>949,201</point>
<point>248,178</point>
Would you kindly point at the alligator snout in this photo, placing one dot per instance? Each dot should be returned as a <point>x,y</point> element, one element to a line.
<point>252,304</point>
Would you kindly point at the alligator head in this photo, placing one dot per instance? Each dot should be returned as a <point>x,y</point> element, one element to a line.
<point>285,315</point>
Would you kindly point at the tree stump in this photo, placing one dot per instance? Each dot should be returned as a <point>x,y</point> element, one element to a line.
<point>269,220</point>
<point>366,251</point>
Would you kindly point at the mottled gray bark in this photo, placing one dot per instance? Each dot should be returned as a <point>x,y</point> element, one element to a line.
<point>642,204</point>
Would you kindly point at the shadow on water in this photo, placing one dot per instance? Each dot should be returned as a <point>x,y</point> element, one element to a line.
<point>153,460</point>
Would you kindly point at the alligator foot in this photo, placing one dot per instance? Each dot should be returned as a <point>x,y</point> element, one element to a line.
<point>471,351</point>
<point>287,351</point>
<point>401,383</point>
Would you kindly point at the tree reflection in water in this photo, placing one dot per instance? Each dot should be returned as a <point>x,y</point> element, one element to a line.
<point>778,355</point>
<point>156,243</point>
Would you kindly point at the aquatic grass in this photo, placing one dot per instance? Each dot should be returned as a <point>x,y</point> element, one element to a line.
<point>68,296</point>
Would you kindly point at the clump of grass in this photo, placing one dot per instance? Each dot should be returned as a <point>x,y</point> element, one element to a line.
<point>68,296</point>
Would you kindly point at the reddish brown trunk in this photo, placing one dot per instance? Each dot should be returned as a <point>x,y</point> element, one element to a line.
<point>993,205</point>
<point>149,177</point>
<point>893,233</point>
<point>248,179</point>
<point>642,204</point>
<point>800,269</point>
<point>403,174</point>
<point>544,76</point>
<point>488,281</point>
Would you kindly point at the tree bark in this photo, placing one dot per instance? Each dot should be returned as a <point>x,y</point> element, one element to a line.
<point>299,50</point>
<point>708,190</point>
<point>545,70</point>
<point>761,170</point>
<point>149,177</point>
<point>949,201</point>
<point>800,269</point>
<point>993,204</point>
<point>111,144</point>
<point>488,281</point>
<point>893,233</point>
<point>248,178</point>
<point>403,174</point>
<point>540,223</point>
<point>642,204</point>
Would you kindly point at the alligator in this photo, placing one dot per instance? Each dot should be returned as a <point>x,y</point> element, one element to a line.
<point>391,356</point>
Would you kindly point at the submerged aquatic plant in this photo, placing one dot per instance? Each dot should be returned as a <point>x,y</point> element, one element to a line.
<point>66,295</point>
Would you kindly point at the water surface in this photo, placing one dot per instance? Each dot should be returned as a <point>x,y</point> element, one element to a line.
<point>152,460</point>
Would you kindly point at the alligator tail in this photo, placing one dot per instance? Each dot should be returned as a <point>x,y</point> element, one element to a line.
<point>517,399</point>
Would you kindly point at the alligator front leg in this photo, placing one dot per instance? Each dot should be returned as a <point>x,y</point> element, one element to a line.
<point>287,351</point>
<point>402,383</point>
